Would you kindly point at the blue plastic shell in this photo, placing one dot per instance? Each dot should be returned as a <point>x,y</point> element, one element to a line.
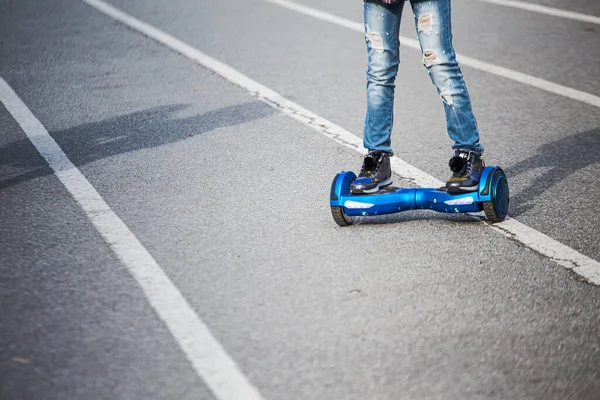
<point>393,199</point>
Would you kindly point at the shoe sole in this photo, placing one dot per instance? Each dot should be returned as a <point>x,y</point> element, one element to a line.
<point>462,189</point>
<point>376,189</point>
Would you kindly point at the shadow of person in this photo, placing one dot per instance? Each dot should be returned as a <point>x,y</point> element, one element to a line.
<point>564,157</point>
<point>126,133</point>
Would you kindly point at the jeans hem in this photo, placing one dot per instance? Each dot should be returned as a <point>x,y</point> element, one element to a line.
<point>387,150</point>
<point>475,149</point>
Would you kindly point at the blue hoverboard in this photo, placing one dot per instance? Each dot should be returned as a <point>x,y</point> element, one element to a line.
<point>492,197</point>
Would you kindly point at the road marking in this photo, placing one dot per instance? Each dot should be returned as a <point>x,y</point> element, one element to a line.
<point>556,12</point>
<point>543,244</point>
<point>205,353</point>
<point>464,60</point>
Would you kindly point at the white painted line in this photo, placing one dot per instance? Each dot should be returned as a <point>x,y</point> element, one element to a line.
<point>207,356</point>
<point>464,60</point>
<point>556,12</point>
<point>545,245</point>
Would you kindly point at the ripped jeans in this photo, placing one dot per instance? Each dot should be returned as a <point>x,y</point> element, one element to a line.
<point>382,30</point>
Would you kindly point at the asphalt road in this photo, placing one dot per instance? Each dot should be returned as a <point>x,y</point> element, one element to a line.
<point>230,198</point>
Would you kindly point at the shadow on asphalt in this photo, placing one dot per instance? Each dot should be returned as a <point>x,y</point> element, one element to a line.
<point>564,157</point>
<point>150,128</point>
<point>417,215</point>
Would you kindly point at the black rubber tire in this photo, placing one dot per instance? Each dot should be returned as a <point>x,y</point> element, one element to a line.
<point>340,217</point>
<point>492,212</point>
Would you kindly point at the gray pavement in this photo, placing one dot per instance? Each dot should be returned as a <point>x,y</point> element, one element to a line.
<point>73,323</point>
<point>588,7</point>
<point>230,197</point>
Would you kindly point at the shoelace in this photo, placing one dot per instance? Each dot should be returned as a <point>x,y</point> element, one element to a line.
<point>376,167</point>
<point>470,163</point>
<point>469,169</point>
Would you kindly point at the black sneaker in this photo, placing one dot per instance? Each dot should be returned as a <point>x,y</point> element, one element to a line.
<point>374,174</point>
<point>467,167</point>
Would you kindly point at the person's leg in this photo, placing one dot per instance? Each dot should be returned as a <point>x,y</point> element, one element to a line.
<point>434,29</point>
<point>382,26</point>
